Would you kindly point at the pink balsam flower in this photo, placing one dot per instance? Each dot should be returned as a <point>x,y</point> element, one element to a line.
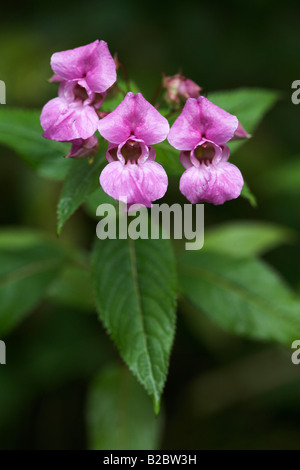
<point>200,132</point>
<point>132,175</point>
<point>84,74</point>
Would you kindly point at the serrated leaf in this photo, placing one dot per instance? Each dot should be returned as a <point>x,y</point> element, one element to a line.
<point>119,413</point>
<point>244,296</point>
<point>246,238</point>
<point>248,104</point>
<point>135,291</point>
<point>82,180</point>
<point>21,130</point>
<point>25,274</point>
<point>95,199</point>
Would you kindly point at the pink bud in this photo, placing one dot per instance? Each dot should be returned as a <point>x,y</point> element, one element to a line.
<point>240,133</point>
<point>180,88</point>
<point>83,147</point>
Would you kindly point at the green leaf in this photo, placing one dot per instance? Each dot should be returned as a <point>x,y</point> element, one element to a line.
<point>21,130</point>
<point>248,104</point>
<point>119,413</point>
<point>73,289</point>
<point>170,115</point>
<point>25,274</point>
<point>246,238</point>
<point>247,194</point>
<point>82,180</point>
<point>135,290</point>
<point>95,199</point>
<point>282,180</point>
<point>168,157</point>
<point>244,296</point>
<point>115,97</point>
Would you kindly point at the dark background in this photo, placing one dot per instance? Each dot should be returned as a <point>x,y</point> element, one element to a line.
<point>220,45</point>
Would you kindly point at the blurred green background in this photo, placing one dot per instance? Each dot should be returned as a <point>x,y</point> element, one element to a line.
<point>222,391</point>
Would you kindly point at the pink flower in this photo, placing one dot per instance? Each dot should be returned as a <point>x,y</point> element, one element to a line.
<point>132,173</point>
<point>180,88</point>
<point>200,132</point>
<point>84,73</point>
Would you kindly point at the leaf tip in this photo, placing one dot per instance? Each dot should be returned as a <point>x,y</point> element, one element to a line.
<point>156,404</point>
<point>58,229</point>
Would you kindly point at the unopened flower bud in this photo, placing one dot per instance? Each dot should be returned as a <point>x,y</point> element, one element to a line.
<point>241,133</point>
<point>180,88</point>
<point>83,147</point>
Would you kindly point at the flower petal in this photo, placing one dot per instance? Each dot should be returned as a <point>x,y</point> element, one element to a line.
<point>140,184</point>
<point>216,124</point>
<point>149,125</point>
<point>92,62</point>
<point>214,183</point>
<point>116,126</point>
<point>102,73</point>
<point>111,153</point>
<point>63,121</point>
<point>53,111</point>
<point>186,132</point>
<point>185,159</point>
<point>134,116</point>
<point>201,119</point>
<point>73,63</point>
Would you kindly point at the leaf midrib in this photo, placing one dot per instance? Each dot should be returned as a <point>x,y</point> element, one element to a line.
<point>133,263</point>
<point>226,284</point>
<point>28,270</point>
<point>28,132</point>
